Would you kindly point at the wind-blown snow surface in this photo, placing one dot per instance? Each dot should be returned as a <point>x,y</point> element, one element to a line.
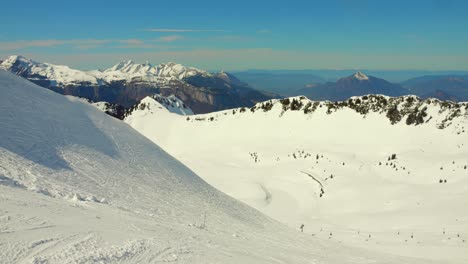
<point>78,186</point>
<point>330,166</point>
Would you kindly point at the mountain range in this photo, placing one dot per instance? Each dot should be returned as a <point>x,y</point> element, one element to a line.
<point>287,82</point>
<point>126,83</point>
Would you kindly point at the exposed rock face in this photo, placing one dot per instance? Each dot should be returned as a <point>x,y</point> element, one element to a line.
<point>126,83</point>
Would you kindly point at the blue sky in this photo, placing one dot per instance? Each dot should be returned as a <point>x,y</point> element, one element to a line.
<point>237,35</point>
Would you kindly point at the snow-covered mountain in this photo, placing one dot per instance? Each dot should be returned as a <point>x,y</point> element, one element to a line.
<point>158,103</point>
<point>170,103</point>
<point>357,84</point>
<point>57,75</point>
<point>127,82</point>
<point>130,71</point>
<point>360,76</point>
<point>381,173</point>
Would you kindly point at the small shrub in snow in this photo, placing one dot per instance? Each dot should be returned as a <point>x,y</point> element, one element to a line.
<point>267,106</point>
<point>296,105</point>
<point>285,101</point>
<point>394,115</point>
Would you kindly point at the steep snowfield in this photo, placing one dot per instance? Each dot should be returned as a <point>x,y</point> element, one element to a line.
<point>78,186</point>
<point>330,167</point>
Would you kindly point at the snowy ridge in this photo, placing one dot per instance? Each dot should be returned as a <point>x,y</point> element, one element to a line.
<point>123,71</point>
<point>60,75</point>
<point>410,110</point>
<point>128,71</point>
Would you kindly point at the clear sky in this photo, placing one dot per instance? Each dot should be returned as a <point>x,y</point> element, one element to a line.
<point>237,35</point>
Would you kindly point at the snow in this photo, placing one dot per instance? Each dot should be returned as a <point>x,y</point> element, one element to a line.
<point>78,186</point>
<point>361,76</point>
<point>279,161</point>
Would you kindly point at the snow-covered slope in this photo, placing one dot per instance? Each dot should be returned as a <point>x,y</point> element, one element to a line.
<point>77,186</point>
<point>385,174</point>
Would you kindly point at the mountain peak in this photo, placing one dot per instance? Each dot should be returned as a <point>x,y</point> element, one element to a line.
<point>360,76</point>
<point>17,59</point>
<point>121,65</point>
<point>178,71</point>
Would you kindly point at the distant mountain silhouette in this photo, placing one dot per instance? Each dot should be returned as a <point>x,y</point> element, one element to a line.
<point>355,85</point>
<point>444,87</point>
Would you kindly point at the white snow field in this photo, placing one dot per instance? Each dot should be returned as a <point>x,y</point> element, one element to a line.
<point>331,168</point>
<point>78,186</point>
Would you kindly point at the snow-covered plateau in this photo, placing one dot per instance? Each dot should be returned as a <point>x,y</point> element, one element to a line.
<point>387,175</point>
